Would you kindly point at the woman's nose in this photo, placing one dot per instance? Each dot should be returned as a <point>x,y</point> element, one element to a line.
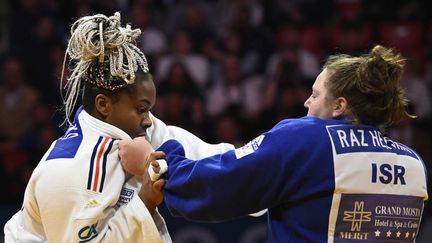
<point>306,103</point>
<point>146,122</point>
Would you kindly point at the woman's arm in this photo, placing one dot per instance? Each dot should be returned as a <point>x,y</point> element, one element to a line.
<point>223,186</point>
<point>195,148</point>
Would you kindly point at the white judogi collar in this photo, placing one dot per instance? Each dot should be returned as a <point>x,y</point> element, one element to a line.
<point>100,127</point>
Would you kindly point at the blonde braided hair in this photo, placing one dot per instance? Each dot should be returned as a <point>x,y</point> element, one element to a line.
<point>99,41</point>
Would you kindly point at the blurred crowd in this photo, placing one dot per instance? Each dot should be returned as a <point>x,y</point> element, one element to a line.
<point>224,70</point>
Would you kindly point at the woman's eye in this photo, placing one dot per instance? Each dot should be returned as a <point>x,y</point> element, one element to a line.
<point>142,109</point>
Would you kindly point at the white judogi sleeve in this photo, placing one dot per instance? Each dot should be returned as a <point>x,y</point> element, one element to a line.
<point>194,147</point>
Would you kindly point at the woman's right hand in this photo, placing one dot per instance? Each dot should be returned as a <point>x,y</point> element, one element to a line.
<point>134,155</point>
<point>151,191</point>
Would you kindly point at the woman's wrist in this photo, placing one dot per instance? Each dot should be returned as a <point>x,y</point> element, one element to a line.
<point>151,207</point>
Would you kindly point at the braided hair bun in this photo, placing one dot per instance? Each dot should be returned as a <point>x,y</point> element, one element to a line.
<point>371,85</point>
<point>102,53</point>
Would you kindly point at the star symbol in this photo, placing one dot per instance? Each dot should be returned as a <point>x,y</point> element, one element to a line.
<point>388,233</point>
<point>407,234</point>
<point>398,234</point>
<point>377,233</point>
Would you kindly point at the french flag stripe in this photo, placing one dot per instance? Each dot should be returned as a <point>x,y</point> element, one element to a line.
<point>97,172</point>
<point>104,164</point>
<point>92,161</point>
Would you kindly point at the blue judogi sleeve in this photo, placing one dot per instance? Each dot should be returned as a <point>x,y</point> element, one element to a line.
<point>266,172</point>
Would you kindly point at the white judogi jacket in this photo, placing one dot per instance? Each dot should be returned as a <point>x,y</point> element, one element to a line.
<point>79,191</point>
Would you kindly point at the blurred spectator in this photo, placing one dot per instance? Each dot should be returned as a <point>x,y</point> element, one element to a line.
<point>245,13</point>
<point>311,51</point>
<point>45,131</point>
<point>287,102</point>
<point>180,100</point>
<point>195,24</point>
<point>234,89</point>
<point>244,17</point>
<point>152,41</point>
<point>179,80</point>
<point>26,14</point>
<point>5,13</point>
<point>417,90</point>
<point>15,171</point>
<point>351,37</point>
<point>79,8</point>
<point>300,11</point>
<point>428,53</point>
<point>181,51</point>
<point>405,32</point>
<point>228,127</point>
<point>282,72</point>
<point>350,32</point>
<point>176,111</point>
<point>403,132</point>
<point>17,101</point>
<point>54,84</point>
<point>37,56</point>
<point>302,65</point>
<point>249,59</point>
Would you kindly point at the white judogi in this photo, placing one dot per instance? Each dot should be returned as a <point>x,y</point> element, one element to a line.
<point>80,193</point>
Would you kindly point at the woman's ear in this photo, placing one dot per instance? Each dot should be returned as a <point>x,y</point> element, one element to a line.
<point>103,105</point>
<point>340,106</point>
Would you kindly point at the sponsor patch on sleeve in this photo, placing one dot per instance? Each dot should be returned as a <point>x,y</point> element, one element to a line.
<point>126,195</point>
<point>249,148</point>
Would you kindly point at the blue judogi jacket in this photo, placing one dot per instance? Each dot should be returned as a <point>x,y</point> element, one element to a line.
<point>321,181</point>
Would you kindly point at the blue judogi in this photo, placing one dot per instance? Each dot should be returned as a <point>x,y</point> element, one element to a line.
<point>321,181</point>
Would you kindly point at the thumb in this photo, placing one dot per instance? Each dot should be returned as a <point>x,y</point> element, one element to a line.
<point>158,185</point>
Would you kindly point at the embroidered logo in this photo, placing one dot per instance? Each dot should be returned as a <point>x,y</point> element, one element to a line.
<point>126,195</point>
<point>249,148</point>
<point>87,233</point>
<point>92,204</point>
<point>357,216</point>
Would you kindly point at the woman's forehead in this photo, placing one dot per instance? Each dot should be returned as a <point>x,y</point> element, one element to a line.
<point>143,90</point>
<point>320,80</point>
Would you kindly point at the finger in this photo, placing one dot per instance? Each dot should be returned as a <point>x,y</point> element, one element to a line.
<point>158,185</point>
<point>157,155</point>
<point>156,171</point>
<point>155,166</point>
<point>153,156</point>
<point>121,145</point>
<point>163,166</point>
